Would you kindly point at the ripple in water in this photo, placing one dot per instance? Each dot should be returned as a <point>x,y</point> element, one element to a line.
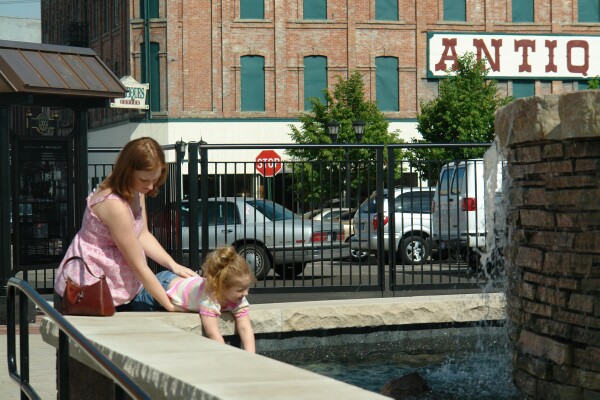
<point>478,375</point>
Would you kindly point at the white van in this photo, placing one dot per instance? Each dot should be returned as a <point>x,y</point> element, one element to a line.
<point>459,213</point>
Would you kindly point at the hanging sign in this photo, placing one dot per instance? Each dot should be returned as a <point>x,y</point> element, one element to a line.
<point>135,96</point>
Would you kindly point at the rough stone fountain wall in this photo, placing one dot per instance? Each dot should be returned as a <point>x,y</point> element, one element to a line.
<point>552,145</point>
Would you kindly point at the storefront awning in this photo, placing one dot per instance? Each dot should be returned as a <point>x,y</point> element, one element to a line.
<point>55,76</point>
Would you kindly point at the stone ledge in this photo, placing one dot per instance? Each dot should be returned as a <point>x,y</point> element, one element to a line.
<point>165,354</point>
<point>358,313</point>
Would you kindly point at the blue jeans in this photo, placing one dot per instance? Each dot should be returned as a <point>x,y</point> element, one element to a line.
<point>144,301</point>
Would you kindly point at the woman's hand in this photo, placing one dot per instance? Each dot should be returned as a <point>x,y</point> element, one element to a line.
<point>182,271</point>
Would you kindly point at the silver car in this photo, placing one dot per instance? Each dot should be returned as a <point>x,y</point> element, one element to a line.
<point>412,229</point>
<point>267,234</point>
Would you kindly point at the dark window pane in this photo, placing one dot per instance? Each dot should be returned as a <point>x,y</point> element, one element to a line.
<point>455,10</point>
<point>522,11</point>
<point>315,9</point>
<point>315,79</point>
<point>523,88</point>
<point>253,83</point>
<point>387,83</point>
<point>152,8</point>
<point>386,10</point>
<point>252,9</point>
<point>589,10</point>
<point>154,74</point>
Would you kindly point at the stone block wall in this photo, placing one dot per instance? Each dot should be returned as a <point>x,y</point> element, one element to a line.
<point>553,257</point>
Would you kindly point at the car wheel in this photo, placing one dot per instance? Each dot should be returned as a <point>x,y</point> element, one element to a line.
<point>358,255</point>
<point>414,250</point>
<point>289,271</point>
<point>257,259</point>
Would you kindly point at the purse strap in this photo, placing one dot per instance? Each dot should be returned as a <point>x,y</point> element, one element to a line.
<point>84,264</point>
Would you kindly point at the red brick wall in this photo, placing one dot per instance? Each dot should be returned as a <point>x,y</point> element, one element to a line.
<point>201,44</point>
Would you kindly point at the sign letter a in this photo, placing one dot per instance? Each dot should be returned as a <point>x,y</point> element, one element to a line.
<point>449,47</point>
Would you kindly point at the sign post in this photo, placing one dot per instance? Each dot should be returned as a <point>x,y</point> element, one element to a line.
<point>268,164</point>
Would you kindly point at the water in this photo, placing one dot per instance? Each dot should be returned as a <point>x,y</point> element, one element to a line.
<point>466,375</point>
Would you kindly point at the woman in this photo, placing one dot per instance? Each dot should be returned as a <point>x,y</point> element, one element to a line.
<point>114,239</point>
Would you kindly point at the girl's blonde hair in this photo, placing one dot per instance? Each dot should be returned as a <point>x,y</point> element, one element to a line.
<point>142,154</point>
<point>224,268</point>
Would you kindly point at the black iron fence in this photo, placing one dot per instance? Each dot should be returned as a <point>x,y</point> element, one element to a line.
<point>353,218</point>
<point>326,224</point>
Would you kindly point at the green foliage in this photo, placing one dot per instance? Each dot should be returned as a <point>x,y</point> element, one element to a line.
<point>594,83</point>
<point>463,112</point>
<point>346,104</point>
<point>465,109</point>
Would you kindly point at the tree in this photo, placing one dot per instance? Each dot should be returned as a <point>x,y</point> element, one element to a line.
<point>594,83</point>
<point>463,112</point>
<point>346,104</point>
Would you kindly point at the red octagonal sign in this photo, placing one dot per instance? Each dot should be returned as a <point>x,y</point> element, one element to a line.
<point>268,163</point>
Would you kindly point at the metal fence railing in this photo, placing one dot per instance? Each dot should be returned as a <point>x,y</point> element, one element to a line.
<point>234,199</point>
<point>18,366</point>
<point>360,218</point>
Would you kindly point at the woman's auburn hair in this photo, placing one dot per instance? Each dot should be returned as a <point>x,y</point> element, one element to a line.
<point>142,154</point>
<point>224,267</point>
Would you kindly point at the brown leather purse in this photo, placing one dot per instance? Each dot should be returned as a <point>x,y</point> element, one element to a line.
<point>92,300</point>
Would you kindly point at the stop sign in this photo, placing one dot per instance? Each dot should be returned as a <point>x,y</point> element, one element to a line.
<point>268,163</point>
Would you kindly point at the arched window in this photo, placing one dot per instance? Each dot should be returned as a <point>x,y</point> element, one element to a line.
<point>387,83</point>
<point>315,79</point>
<point>253,83</point>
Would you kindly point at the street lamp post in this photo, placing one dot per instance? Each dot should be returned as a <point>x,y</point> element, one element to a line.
<point>180,147</point>
<point>359,129</point>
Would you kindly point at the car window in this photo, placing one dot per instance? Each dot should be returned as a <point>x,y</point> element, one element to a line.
<point>457,180</point>
<point>418,202</point>
<point>369,206</point>
<point>219,213</point>
<point>271,210</point>
<point>332,215</point>
<point>444,185</point>
<point>346,215</point>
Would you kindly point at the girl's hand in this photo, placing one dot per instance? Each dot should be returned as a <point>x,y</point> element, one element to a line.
<point>174,308</point>
<point>182,271</point>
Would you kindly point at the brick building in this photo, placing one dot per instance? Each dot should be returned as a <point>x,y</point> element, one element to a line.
<point>241,70</point>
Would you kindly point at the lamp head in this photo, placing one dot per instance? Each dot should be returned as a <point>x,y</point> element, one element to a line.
<point>359,129</point>
<point>334,129</point>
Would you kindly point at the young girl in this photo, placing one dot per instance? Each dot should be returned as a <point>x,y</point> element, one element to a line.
<point>224,287</point>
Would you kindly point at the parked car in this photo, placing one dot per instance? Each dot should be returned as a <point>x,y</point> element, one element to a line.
<point>340,215</point>
<point>267,234</point>
<point>412,216</point>
<point>345,217</point>
<point>459,210</point>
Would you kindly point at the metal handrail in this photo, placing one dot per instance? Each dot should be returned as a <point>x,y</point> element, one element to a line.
<point>66,329</point>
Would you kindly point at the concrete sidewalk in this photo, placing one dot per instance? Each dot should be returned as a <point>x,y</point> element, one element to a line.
<point>42,366</point>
